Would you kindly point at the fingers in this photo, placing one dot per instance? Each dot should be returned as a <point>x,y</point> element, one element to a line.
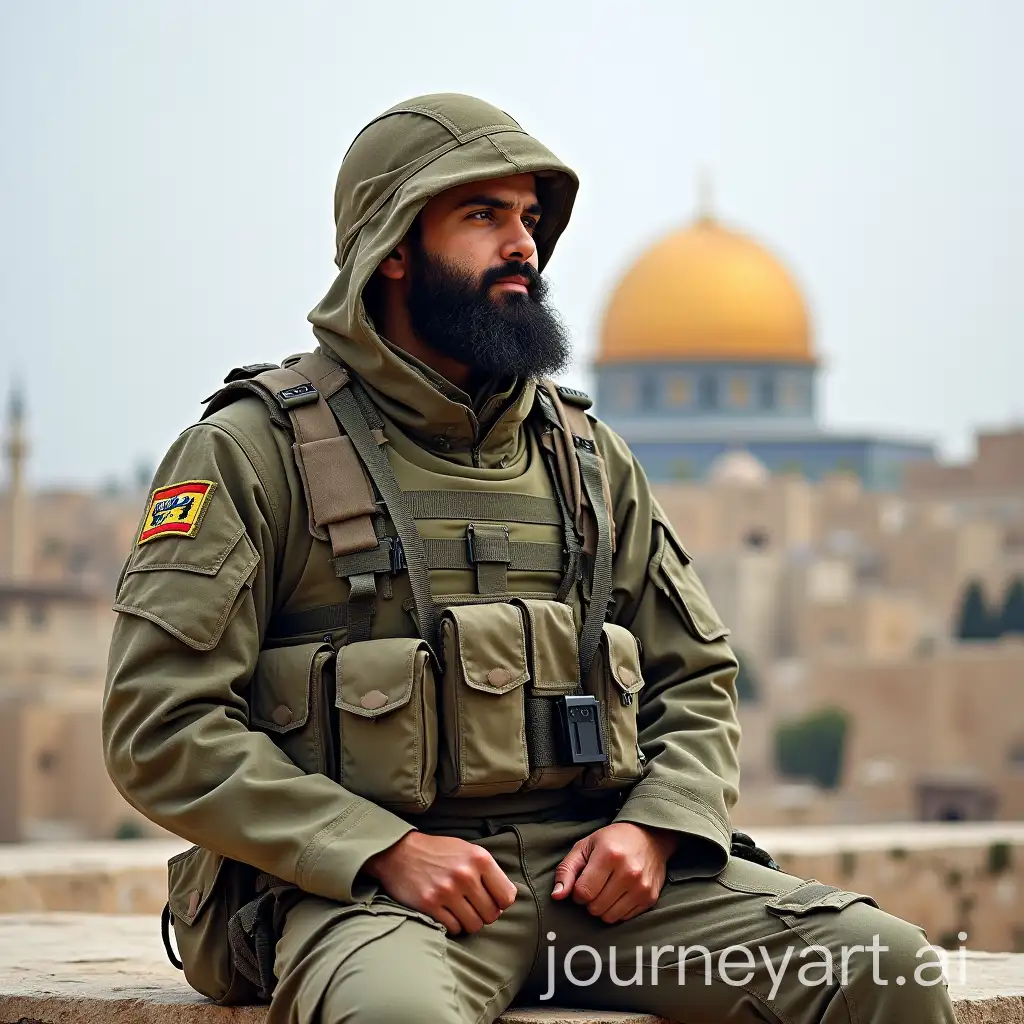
<point>467,915</point>
<point>569,869</point>
<point>621,909</point>
<point>497,884</point>
<point>592,881</point>
<point>448,919</point>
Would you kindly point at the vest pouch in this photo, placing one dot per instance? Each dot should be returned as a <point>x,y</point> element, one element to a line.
<point>554,666</point>
<point>483,752</point>
<point>387,714</point>
<point>204,891</point>
<point>290,702</point>
<point>616,680</point>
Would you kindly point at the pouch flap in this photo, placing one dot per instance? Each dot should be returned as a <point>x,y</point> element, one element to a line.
<point>190,592</point>
<point>375,677</point>
<point>191,880</point>
<point>814,896</point>
<point>623,654</point>
<point>490,643</point>
<point>553,646</point>
<point>338,488</point>
<point>675,575</point>
<point>280,695</point>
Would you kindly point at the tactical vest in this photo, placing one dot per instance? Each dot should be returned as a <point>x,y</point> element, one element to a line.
<point>485,687</point>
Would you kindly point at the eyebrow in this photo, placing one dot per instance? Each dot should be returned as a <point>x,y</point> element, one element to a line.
<point>498,204</point>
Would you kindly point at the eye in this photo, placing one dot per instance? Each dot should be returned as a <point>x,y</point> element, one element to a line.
<point>531,223</point>
<point>482,215</point>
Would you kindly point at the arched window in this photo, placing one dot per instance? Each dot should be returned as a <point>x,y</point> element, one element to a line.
<point>767,393</point>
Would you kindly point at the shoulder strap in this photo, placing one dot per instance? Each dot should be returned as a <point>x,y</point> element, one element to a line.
<point>585,480</point>
<point>339,496</point>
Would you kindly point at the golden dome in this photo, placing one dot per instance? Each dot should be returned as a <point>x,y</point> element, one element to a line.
<point>706,293</point>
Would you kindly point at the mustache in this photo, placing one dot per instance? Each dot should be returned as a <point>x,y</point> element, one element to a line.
<point>512,268</point>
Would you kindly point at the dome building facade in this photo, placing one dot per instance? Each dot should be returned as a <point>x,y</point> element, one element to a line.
<point>707,348</point>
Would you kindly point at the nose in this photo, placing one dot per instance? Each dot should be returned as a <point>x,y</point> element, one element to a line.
<point>519,245</point>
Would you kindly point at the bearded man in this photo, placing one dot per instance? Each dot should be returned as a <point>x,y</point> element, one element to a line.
<point>408,650</point>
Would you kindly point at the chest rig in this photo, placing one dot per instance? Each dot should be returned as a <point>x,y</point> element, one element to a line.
<point>352,494</point>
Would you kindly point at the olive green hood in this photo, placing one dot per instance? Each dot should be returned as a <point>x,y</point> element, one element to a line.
<point>398,162</point>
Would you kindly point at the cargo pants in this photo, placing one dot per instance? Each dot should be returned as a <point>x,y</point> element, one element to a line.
<point>751,945</point>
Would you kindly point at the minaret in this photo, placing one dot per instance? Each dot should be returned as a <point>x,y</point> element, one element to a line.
<point>705,196</point>
<point>19,555</point>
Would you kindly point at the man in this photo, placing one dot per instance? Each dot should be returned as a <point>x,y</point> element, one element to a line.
<point>366,657</point>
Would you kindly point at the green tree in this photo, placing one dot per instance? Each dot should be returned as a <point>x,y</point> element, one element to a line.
<point>813,747</point>
<point>1011,619</point>
<point>976,621</point>
<point>746,681</point>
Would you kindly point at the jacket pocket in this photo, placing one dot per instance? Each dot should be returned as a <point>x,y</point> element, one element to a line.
<point>288,701</point>
<point>484,752</point>
<point>674,574</point>
<point>203,893</point>
<point>616,680</point>
<point>387,710</point>
<point>554,667</point>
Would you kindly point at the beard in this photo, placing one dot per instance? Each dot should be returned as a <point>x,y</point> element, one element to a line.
<point>516,334</point>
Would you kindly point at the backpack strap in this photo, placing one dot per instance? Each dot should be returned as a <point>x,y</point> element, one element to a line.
<point>584,478</point>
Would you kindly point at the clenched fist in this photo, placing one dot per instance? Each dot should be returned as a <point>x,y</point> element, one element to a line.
<point>618,871</point>
<point>455,882</point>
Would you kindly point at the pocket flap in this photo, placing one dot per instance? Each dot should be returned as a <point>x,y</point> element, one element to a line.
<point>375,677</point>
<point>813,896</point>
<point>281,684</point>
<point>491,646</point>
<point>623,654</point>
<point>554,651</point>
<point>676,576</point>
<point>188,594</point>
<point>191,879</point>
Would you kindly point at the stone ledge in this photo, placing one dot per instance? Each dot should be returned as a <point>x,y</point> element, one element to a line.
<point>99,969</point>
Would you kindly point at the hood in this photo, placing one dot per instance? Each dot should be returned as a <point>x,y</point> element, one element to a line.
<point>398,162</point>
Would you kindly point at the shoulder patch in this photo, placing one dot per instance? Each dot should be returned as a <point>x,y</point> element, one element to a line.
<point>580,398</point>
<point>176,510</point>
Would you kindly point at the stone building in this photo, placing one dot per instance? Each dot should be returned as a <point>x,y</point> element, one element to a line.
<point>61,554</point>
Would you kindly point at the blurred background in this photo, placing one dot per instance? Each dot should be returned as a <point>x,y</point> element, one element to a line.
<point>792,281</point>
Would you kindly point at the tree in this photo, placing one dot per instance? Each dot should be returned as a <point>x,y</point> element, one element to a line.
<point>976,621</point>
<point>746,682</point>
<point>813,747</point>
<point>1011,619</point>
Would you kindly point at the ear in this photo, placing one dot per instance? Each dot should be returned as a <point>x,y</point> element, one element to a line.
<point>395,265</point>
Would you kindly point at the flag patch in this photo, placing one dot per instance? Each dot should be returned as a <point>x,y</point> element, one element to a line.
<point>176,510</point>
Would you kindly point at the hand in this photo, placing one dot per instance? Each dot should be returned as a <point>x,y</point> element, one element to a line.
<point>457,883</point>
<point>618,871</point>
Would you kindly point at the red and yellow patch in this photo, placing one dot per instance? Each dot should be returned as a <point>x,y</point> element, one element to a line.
<point>176,510</point>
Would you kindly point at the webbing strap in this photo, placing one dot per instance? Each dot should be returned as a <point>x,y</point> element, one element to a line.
<point>601,587</point>
<point>572,543</point>
<point>527,556</point>
<point>348,409</point>
<point>502,507</point>
<point>323,619</point>
<point>491,552</point>
<point>362,603</point>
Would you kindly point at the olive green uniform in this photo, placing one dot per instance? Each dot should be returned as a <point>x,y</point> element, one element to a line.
<point>242,713</point>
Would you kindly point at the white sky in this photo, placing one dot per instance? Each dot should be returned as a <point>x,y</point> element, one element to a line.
<point>167,170</point>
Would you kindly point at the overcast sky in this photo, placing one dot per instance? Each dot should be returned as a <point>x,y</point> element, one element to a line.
<point>167,170</point>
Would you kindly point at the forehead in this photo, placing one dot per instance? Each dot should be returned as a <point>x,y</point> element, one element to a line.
<point>517,188</point>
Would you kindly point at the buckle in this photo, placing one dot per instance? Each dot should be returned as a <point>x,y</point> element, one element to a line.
<point>397,555</point>
<point>471,548</point>
<point>298,395</point>
<point>580,726</point>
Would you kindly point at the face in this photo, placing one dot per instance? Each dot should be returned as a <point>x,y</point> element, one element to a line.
<point>471,284</point>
